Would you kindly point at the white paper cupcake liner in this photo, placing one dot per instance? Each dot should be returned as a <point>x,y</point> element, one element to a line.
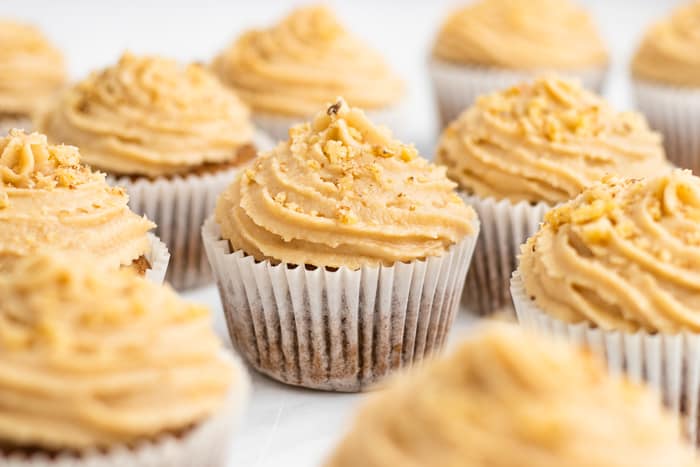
<point>158,259</point>
<point>669,363</point>
<point>207,444</point>
<point>339,330</point>
<point>8,123</point>
<point>457,87</point>
<point>504,227</point>
<point>675,112</point>
<point>178,206</point>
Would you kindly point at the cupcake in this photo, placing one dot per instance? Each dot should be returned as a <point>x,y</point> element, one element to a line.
<point>340,255</point>
<point>493,44</point>
<point>50,201</point>
<point>95,373</point>
<point>171,135</point>
<point>289,71</point>
<point>31,71</point>
<point>616,269</point>
<point>518,152</point>
<point>507,398</point>
<point>666,82</point>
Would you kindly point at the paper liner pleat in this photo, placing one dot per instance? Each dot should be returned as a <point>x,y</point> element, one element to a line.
<point>337,330</point>
<point>158,258</point>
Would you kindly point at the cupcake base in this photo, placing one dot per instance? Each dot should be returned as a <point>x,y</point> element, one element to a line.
<point>336,330</point>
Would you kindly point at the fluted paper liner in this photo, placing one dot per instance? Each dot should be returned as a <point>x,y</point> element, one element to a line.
<point>158,259</point>
<point>207,444</point>
<point>669,363</point>
<point>337,330</point>
<point>504,227</point>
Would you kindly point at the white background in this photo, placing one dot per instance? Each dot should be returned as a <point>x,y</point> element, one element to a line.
<point>284,426</point>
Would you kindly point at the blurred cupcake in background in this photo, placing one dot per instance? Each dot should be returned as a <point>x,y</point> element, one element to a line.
<point>95,373</point>
<point>509,398</point>
<point>287,72</point>
<point>340,255</point>
<point>493,44</point>
<point>170,134</point>
<point>31,70</point>
<point>666,81</point>
<point>518,152</point>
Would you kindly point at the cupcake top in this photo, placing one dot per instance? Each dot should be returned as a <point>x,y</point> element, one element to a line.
<point>96,358</point>
<point>669,51</point>
<point>508,398</point>
<point>31,69</point>
<point>624,255</point>
<point>150,116</point>
<point>296,66</point>
<point>545,140</point>
<point>342,192</point>
<point>50,201</point>
<point>521,34</point>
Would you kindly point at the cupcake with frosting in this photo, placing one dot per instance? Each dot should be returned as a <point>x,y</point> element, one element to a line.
<point>287,72</point>
<point>508,398</point>
<point>493,44</point>
<point>616,268</point>
<point>31,71</point>
<point>95,373</point>
<point>518,152</point>
<point>50,201</point>
<point>340,254</point>
<point>172,135</point>
<point>666,81</point>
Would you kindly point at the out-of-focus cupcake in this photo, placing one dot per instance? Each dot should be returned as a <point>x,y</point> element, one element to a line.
<point>31,71</point>
<point>340,255</point>
<point>518,152</point>
<point>105,369</point>
<point>287,72</point>
<point>171,135</point>
<point>50,201</point>
<point>666,80</point>
<point>508,398</point>
<point>617,269</point>
<point>493,44</point>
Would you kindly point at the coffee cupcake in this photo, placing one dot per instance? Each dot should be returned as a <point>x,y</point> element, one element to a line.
<point>31,71</point>
<point>340,255</point>
<point>50,201</point>
<point>616,269</point>
<point>287,72</point>
<point>494,44</point>
<point>171,135</point>
<point>508,398</point>
<point>666,80</point>
<point>518,152</point>
<point>95,373</point>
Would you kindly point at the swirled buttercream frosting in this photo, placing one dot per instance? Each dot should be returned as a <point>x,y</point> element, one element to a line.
<point>521,34</point>
<point>506,398</point>
<point>342,192</point>
<point>94,358</point>
<point>546,140</point>
<point>50,201</point>
<point>150,116</point>
<point>669,51</point>
<point>31,69</point>
<point>624,255</point>
<point>296,66</point>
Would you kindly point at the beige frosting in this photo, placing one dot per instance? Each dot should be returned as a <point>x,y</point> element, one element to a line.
<point>94,359</point>
<point>149,116</point>
<point>624,255</point>
<point>669,51</point>
<point>505,398</point>
<point>296,66</point>
<point>31,69</point>
<point>49,201</point>
<point>342,192</point>
<point>521,34</point>
<point>545,140</point>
